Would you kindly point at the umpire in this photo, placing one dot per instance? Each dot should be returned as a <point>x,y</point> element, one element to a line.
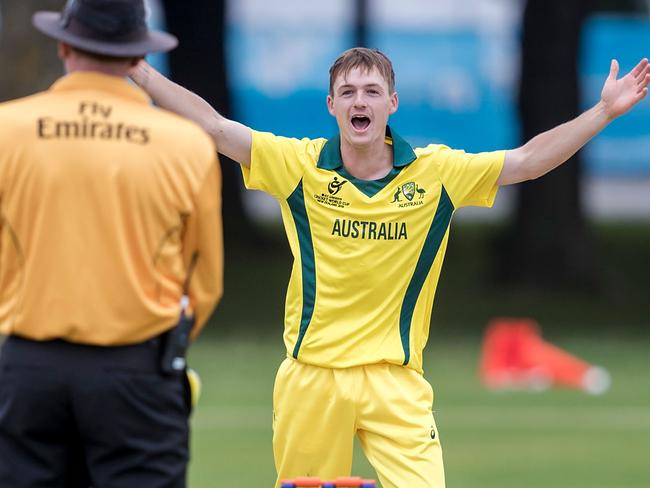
<point>109,216</point>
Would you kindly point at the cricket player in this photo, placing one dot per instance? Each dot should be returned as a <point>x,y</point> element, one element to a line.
<point>367,218</point>
<point>110,217</point>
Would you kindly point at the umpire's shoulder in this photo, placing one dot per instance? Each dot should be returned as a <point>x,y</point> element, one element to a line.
<point>180,136</point>
<point>17,115</point>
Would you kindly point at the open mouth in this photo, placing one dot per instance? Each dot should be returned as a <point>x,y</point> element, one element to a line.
<point>360,122</point>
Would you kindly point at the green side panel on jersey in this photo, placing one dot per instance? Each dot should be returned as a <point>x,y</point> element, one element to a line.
<point>434,238</point>
<point>296,203</point>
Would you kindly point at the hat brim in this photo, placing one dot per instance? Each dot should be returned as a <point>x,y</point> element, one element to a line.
<point>49,23</point>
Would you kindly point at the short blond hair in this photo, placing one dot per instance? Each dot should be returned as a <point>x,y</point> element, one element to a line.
<point>366,59</point>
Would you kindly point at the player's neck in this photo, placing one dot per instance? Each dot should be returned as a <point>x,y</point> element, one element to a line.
<point>370,162</point>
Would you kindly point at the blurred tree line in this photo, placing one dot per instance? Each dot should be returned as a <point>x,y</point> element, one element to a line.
<point>548,245</point>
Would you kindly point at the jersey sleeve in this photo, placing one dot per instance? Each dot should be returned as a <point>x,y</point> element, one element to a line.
<point>469,179</point>
<point>277,163</point>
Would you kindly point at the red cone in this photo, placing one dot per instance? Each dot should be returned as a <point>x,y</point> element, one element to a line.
<point>514,356</point>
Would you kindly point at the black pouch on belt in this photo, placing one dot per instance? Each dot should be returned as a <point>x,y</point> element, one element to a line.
<point>174,345</point>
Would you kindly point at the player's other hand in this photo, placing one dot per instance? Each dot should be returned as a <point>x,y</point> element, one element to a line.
<point>620,95</point>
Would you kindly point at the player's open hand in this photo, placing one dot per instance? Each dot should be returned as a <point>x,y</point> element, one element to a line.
<point>620,95</point>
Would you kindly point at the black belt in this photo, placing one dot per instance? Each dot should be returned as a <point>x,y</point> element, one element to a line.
<point>144,357</point>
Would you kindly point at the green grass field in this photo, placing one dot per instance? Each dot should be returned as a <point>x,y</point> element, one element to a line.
<point>554,439</point>
<point>559,438</point>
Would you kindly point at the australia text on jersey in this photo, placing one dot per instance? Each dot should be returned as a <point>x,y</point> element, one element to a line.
<point>363,229</point>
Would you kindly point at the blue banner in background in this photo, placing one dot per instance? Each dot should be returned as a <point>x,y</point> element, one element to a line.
<point>279,53</point>
<point>623,148</point>
<point>280,79</point>
<point>446,96</point>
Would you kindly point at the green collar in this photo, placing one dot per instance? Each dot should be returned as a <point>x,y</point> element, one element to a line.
<point>330,155</point>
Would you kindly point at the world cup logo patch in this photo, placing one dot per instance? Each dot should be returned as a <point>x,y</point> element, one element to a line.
<point>335,185</point>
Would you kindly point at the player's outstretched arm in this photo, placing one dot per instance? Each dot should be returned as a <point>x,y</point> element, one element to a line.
<point>551,148</point>
<point>231,138</point>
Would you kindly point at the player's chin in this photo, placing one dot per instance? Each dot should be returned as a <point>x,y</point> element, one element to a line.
<point>361,136</point>
<point>361,140</point>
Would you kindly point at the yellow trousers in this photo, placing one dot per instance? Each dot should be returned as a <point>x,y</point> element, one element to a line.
<point>317,411</point>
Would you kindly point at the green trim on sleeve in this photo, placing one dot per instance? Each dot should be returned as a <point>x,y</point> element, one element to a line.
<point>296,203</point>
<point>436,233</point>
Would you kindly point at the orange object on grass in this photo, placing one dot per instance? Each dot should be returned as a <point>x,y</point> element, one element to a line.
<point>514,356</point>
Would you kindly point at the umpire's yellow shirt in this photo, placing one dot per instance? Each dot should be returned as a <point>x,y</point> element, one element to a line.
<point>104,201</point>
<point>367,254</point>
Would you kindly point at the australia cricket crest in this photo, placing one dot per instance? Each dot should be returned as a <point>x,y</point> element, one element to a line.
<point>408,190</point>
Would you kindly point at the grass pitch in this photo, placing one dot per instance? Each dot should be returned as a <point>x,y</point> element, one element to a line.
<point>556,439</point>
<point>559,438</point>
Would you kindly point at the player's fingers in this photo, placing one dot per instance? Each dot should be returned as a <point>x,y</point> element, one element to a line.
<point>640,69</point>
<point>643,85</point>
<point>642,79</point>
<point>613,70</point>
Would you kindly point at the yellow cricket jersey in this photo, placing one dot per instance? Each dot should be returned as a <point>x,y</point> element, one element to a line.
<point>367,254</point>
<point>105,201</point>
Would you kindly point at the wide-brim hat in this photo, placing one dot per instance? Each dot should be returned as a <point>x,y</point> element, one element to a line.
<point>109,27</point>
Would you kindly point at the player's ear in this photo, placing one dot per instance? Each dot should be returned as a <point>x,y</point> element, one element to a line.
<point>330,105</point>
<point>63,50</point>
<point>394,103</point>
